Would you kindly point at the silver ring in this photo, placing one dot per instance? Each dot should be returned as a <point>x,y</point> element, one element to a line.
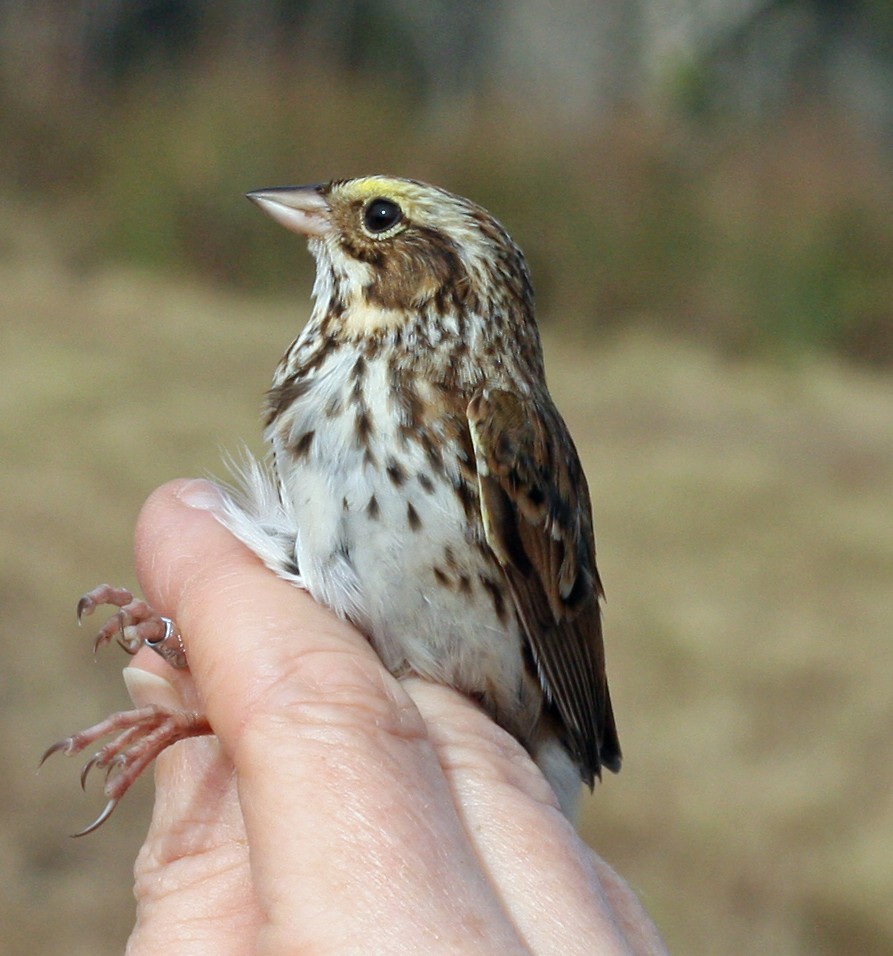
<point>170,645</point>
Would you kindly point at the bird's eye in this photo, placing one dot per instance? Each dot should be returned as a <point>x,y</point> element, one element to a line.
<point>381,215</point>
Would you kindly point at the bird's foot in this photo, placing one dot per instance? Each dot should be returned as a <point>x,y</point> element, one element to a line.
<point>135,624</point>
<point>142,735</point>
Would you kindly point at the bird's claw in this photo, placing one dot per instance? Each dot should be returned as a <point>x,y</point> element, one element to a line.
<point>135,624</point>
<point>98,822</point>
<point>142,735</point>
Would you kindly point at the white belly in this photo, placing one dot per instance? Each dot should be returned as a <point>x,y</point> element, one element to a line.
<point>394,555</point>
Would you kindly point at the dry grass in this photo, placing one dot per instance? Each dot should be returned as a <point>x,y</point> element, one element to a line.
<point>746,539</point>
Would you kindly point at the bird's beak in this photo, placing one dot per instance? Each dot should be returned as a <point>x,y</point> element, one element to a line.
<point>299,208</point>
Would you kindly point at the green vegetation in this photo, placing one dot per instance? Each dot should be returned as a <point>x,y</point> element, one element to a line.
<point>775,235</point>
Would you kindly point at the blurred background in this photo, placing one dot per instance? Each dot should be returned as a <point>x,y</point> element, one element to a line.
<point>704,189</point>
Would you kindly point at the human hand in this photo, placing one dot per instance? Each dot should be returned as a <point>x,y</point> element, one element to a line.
<point>338,809</point>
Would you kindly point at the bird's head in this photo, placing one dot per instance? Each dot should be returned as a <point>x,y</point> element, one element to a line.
<point>391,250</point>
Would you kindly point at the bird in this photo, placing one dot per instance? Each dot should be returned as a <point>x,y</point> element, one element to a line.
<point>420,483</point>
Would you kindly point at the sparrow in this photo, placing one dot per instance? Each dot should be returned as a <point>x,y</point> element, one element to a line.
<point>421,482</point>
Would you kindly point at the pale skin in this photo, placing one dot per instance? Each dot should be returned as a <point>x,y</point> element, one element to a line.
<point>338,810</point>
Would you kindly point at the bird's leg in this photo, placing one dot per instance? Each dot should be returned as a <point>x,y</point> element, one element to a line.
<point>141,734</point>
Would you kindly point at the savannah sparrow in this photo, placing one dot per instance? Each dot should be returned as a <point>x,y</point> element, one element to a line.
<point>422,483</point>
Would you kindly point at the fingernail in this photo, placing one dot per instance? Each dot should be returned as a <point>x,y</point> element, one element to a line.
<point>202,495</point>
<point>146,688</point>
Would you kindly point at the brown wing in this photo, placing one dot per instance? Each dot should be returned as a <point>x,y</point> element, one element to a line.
<point>538,522</point>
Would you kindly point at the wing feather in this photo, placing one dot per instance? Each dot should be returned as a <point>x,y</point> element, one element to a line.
<point>538,522</point>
